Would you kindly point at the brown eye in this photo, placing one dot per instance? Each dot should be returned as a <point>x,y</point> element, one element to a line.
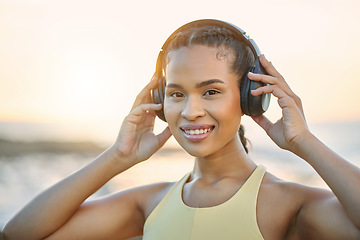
<point>211,92</point>
<point>177,95</point>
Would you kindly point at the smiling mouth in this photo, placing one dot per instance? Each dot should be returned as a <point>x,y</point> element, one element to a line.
<point>197,131</point>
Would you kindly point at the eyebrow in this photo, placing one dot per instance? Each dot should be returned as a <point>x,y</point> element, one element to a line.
<point>198,85</point>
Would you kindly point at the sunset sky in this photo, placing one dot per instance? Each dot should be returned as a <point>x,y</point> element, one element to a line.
<point>81,63</point>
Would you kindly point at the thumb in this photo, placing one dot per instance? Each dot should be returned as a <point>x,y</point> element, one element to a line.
<point>263,122</point>
<point>164,136</point>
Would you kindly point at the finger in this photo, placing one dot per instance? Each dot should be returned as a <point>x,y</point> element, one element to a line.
<point>271,70</point>
<point>269,67</point>
<point>145,96</point>
<point>273,89</point>
<point>136,115</point>
<point>275,81</point>
<point>144,108</point>
<point>272,81</point>
<point>264,78</point>
<point>284,100</point>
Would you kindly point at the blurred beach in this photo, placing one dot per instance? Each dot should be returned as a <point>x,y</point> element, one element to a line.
<point>70,69</point>
<point>29,167</point>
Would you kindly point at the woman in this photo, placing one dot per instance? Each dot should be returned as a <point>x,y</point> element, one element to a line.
<point>226,196</point>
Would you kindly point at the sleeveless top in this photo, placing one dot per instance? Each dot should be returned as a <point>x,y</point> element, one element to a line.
<point>233,219</point>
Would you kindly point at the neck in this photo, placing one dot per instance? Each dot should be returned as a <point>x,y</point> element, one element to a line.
<point>231,160</point>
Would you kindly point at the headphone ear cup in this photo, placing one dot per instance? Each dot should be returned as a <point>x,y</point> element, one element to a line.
<point>244,93</point>
<point>261,102</point>
<point>255,102</point>
<point>253,105</point>
<point>158,95</point>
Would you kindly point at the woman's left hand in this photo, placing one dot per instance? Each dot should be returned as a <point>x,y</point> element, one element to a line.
<point>291,127</point>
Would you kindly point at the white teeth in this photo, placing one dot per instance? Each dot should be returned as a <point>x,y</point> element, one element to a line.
<point>197,131</point>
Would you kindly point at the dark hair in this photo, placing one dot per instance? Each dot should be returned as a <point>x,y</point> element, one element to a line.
<point>239,55</point>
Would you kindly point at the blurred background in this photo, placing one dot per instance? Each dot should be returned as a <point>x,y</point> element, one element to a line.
<point>70,70</point>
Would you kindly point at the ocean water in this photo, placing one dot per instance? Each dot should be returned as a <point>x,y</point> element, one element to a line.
<point>23,176</point>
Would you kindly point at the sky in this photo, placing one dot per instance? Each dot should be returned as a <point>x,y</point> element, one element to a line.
<point>79,64</point>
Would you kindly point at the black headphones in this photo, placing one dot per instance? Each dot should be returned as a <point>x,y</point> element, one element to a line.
<point>250,105</point>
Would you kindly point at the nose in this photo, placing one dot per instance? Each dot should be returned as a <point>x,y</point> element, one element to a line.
<point>193,109</point>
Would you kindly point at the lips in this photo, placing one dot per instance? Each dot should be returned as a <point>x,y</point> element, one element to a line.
<point>197,133</point>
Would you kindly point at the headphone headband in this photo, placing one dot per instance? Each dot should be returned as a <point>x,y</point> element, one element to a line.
<point>250,105</point>
<point>241,34</point>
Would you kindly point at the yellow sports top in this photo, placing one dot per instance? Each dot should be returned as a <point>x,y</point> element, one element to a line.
<point>172,219</point>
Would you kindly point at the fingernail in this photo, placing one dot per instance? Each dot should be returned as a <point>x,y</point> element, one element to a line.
<point>251,74</point>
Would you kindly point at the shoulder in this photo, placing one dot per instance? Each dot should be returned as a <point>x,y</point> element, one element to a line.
<point>119,215</point>
<point>280,203</point>
<point>144,198</point>
<point>299,193</point>
<point>283,191</point>
<point>151,195</point>
<point>305,212</point>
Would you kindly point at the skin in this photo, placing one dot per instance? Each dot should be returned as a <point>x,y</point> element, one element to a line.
<point>284,210</point>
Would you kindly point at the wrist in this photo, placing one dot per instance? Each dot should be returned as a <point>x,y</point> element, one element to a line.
<point>116,161</point>
<point>302,144</point>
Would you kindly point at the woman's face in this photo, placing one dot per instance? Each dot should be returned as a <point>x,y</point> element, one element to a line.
<point>202,100</point>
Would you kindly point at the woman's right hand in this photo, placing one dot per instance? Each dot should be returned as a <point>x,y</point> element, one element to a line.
<point>136,140</point>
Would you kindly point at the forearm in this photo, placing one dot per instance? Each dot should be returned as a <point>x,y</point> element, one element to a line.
<point>52,208</point>
<point>341,176</point>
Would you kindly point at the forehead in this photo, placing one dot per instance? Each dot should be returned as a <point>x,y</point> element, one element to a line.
<point>196,62</point>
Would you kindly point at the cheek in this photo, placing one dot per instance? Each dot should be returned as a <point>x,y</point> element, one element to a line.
<point>228,113</point>
<point>172,112</point>
<point>229,105</point>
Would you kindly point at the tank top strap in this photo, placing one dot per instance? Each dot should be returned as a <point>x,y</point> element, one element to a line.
<point>252,185</point>
<point>172,196</point>
<point>255,179</point>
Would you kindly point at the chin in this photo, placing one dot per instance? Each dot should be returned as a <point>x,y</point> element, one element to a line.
<point>197,154</point>
<point>199,150</point>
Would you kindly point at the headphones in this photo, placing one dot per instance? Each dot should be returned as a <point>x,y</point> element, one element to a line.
<point>250,105</point>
